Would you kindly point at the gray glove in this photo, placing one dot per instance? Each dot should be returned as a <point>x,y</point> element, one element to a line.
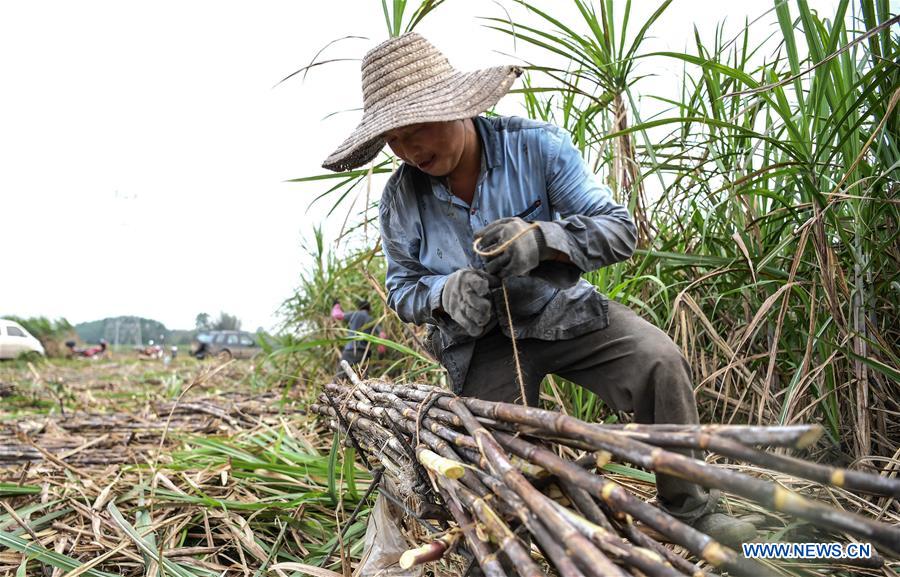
<point>465,299</point>
<point>522,255</point>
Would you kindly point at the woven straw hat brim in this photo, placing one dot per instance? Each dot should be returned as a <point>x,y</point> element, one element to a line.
<point>459,95</point>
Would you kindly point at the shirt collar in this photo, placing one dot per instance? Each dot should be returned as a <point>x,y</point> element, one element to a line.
<point>490,141</point>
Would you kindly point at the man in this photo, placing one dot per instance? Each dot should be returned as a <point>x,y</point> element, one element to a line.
<point>356,351</point>
<point>521,189</point>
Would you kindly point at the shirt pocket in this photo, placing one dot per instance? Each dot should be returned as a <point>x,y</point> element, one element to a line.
<point>532,211</point>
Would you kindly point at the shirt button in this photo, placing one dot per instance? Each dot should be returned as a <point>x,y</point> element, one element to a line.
<point>473,211</point>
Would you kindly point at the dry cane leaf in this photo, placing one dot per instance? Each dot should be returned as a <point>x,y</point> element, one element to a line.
<point>308,569</point>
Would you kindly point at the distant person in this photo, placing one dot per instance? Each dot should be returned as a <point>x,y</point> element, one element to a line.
<point>357,351</point>
<point>173,352</point>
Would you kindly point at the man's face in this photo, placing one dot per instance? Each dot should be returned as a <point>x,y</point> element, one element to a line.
<point>434,147</point>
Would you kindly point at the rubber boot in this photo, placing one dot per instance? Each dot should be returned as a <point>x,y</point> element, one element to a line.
<point>726,530</point>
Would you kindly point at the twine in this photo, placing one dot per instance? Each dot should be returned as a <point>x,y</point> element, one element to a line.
<point>476,246</point>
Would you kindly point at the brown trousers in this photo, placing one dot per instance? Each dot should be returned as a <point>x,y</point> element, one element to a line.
<point>631,364</point>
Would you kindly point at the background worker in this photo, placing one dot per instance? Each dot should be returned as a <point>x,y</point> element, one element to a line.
<point>356,351</point>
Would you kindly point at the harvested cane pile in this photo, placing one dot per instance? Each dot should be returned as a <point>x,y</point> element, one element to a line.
<point>484,470</point>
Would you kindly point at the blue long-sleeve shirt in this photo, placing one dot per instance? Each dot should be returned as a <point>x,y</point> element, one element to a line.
<point>531,170</point>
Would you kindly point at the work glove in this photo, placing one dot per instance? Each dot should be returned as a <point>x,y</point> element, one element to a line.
<point>465,299</point>
<point>521,256</point>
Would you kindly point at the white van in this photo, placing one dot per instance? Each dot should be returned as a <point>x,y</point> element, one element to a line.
<point>15,340</point>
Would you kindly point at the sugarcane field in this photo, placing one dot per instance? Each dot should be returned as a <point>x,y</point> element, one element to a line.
<point>443,288</point>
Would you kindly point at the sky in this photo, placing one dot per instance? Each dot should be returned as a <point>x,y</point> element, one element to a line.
<point>145,146</point>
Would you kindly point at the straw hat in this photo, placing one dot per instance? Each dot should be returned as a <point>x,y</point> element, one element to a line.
<point>406,80</point>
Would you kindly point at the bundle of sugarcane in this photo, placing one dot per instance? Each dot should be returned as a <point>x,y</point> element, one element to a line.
<point>484,465</point>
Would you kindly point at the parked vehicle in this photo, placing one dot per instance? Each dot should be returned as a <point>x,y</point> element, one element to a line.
<point>15,340</point>
<point>225,344</point>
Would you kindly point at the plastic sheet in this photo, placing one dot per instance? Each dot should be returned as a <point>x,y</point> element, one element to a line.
<point>384,543</point>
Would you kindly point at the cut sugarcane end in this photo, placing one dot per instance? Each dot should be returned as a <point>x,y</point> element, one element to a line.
<point>810,437</point>
<point>441,465</point>
<point>423,554</point>
<point>603,458</point>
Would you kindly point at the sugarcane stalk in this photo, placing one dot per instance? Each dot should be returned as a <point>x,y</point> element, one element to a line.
<point>371,428</point>
<point>603,534</point>
<point>589,558</point>
<point>494,526</point>
<point>436,444</point>
<point>617,498</point>
<point>462,443</point>
<point>585,504</point>
<point>428,552</point>
<point>351,374</point>
<point>776,498</point>
<point>725,445</point>
<point>392,463</point>
<point>481,551</point>
<point>538,531</point>
<point>832,476</point>
<point>431,424</point>
<point>366,407</point>
<point>440,446</point>
<point>385,458</point>
<point>385,463</point>
<point>591,511</point>
<point>372,439</point>
<point>434,418</point>
<point>440,465</point>
<point>346,428</point>
<point>656,459</point>
<point>641,539</point>
<point>647,561</point>
<point>790,436</point>
<point>546,541</point>
<point>650,563</point>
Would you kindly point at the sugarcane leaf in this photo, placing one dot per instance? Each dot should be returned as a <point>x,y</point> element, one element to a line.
<point>149,550</point>
<point>333,468</point>
<point>38,552</point>
<point>355,335</point>
<point>349,473</point>
<point>347,176</point>
<point>306,569</point>
<point>630,472</point>
<point>7,489</point>
<point>39,523</point>
<point>876,365</point>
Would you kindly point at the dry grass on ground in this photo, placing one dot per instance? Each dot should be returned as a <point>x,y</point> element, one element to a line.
<point>118,465</point>
<point>116,462</point>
